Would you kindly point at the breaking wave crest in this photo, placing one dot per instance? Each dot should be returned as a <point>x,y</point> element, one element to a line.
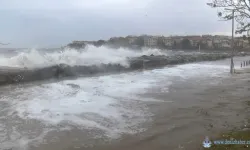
<point>91,55</point>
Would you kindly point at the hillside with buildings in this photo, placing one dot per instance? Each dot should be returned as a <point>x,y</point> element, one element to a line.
<point>206,42</point>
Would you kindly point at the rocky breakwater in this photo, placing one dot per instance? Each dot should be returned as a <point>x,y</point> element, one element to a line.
<point>17,75</point>
<point>76,45</point>
<point>148,62</point>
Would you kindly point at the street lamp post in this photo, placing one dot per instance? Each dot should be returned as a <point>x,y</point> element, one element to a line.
<point>232,42</point>
<point>232,45</point>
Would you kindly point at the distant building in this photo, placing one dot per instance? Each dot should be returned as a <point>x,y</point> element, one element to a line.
<point>238,43</point>
<point>225,44</point>
<point>177,39</point>
<point>83,42</point>
<point>207,40</point>
<point>78,42</point>
<point>77,45</point>
<point>209,43</point>
<point>245,44</point>
<point>204,41</point>
<point>221,42</point>
<point>131,39</point>
<point>241,43</point>
<point>222,37</point>
<point>168,41</point>
<point>118,41</point>
<point>194,40</point>
<point>150,41</point>
<point>207,36</point>
<point>216,43</point>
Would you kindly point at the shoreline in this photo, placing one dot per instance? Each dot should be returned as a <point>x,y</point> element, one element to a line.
<point>186,112</point>
<point>194,113</point>
<point>61,71</point>
<point>212,123</point>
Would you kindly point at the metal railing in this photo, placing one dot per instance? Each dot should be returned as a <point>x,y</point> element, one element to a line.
<point>244,63</point>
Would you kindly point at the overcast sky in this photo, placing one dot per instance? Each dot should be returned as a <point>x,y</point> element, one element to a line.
<point>54,23</point>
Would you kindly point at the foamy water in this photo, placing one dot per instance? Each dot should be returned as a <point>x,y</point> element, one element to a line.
<point>91,55</point>
<point>109,104</point>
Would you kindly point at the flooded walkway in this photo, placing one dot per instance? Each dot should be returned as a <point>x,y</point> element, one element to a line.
<point>168,108</point>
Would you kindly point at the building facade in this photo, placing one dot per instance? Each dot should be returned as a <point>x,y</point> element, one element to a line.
<point>168,41</point>
<point>131,39</point>
<point>150,41</point>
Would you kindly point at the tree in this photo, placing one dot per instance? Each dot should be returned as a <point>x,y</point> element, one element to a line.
<point>77,45</point>
<point>241,10</point>
<point>99,43</point>
<point>244,37</point>
<point>160,43</point>
<point>139,41</point>
<point>186,44</point>
<point>175,44</point>
<point>118,42</point>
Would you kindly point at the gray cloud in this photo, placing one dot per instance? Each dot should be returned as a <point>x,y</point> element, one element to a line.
<point>46,23</point>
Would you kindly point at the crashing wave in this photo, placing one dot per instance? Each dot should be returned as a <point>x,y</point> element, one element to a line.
<point>135,63</point>
<point>89,56</point>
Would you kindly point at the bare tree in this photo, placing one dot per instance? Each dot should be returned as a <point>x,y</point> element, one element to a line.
<point>241,9</point>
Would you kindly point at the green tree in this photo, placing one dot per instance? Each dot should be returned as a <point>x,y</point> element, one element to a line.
<point>139,41</point>
<point>99,43</point>
<point>175,44</point>
<point>241,12</point>
<point>186,44</point>
<point>118,42</point>
<point>77,45</point>
<point>160,43</point>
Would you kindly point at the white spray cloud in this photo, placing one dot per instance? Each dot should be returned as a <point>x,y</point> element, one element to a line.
<point>90,56</point>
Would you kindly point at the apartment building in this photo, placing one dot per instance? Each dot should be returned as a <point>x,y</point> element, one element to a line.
<point>150,41</point>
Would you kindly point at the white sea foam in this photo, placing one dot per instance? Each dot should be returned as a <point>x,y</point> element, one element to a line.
<point>91,55</point>
<point>108,103</point>
<point>67,100</point>
<point>57,102</point>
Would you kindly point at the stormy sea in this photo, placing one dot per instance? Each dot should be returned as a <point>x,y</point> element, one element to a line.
<point>95,97</point>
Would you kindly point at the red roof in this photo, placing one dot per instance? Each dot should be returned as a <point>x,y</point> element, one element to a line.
<point>195,38</point>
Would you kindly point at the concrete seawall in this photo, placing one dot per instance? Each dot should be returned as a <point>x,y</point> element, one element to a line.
<point>10,75</point>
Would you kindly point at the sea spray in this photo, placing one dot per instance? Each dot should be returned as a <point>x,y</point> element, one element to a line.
<point>89,56</point>
<point>64,70</point>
